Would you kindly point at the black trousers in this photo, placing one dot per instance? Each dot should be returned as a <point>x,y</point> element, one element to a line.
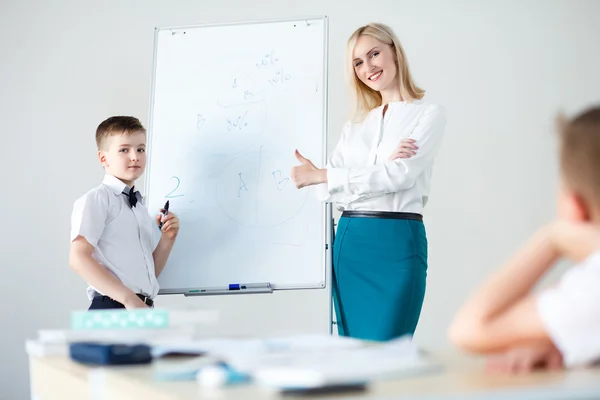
<point>104,303</point>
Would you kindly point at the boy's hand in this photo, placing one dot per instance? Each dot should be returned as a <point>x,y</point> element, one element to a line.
<point>132,302</point>
<point>170,222</point>
<point>526,359</point>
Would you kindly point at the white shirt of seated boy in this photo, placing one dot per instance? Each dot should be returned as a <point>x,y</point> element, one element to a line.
<point>123,237</point>
<point>570,311</point>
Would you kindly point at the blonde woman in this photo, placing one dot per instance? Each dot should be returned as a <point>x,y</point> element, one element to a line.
<point>379,175</point>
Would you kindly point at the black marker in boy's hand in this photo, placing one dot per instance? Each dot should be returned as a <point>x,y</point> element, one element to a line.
<point>165,212</point>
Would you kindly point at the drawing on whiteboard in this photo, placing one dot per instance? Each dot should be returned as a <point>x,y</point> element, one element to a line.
<point>253,190</point>
<point>200,122</point>
<point>267,62</point>
<point>248,94</point>
<point>239,122</point>
<point>279,77</point>
<point>242,185</point>
<point>240,90</point>
<point>170,195</point>
<point>235,121</point>
<point>268,59</point>
<point>280,183</point>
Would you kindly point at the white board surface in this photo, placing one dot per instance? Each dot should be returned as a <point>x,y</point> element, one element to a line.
<point>230,104</point>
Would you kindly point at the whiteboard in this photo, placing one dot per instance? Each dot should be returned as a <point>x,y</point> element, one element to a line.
<point>229,105</point>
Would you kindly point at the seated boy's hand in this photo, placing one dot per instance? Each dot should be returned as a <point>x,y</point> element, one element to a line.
<point>526,359</point>
<point>170,227</point>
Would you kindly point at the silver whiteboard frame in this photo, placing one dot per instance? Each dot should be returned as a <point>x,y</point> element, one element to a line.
<point>327,209</point>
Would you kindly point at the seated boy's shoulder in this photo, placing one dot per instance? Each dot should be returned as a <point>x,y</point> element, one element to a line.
<point>579,282</point>
<point>588,270</point>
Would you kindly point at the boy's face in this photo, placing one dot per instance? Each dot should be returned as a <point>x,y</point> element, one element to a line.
<point>124,156</point>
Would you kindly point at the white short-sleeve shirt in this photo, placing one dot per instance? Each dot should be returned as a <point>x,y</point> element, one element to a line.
<point>570,311</point>
<point>123,237</point>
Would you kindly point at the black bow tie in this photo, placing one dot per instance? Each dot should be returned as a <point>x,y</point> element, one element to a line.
<point>131,196</point>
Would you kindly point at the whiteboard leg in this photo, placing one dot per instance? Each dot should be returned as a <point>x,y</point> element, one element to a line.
<point>329,283</point>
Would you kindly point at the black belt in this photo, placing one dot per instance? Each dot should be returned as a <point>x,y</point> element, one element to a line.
<point>382,214</point>
<point>147,300</point>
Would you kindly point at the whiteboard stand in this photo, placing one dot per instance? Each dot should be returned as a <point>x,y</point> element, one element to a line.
<point>229,104</point>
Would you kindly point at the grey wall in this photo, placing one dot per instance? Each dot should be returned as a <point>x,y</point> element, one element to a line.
<point>502,69</point>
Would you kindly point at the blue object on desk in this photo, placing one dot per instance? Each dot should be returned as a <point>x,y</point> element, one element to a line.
<point>110,354</point>
<point>220,375</point>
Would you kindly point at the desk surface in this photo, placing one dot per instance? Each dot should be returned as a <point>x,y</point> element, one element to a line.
<point>461,378</point>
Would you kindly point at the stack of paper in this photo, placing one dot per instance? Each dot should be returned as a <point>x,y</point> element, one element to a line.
<point>338,367</point>
<point>328,360</point>
<point>241,350</point>
<point>309,360</point>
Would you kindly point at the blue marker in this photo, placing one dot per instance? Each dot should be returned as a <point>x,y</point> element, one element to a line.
<point>242,286</point>
<point>232,288</point>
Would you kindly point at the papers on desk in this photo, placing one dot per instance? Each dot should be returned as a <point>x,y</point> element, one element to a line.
<point>306,369</point>
<point>310,360</point>
<point>242,349</point>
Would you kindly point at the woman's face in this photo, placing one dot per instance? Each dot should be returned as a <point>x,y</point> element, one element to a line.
<point>374,63</point>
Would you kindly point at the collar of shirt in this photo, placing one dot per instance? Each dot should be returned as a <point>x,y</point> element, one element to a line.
<point>117,186</point>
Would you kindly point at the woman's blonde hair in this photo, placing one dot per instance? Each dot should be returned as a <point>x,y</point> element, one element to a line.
<point>366,98</point>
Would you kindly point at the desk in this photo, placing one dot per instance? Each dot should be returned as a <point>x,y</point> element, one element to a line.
<point>462,378</point>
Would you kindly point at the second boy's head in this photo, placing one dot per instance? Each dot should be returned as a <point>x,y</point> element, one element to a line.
<point>121,145</point>
<point>579,197</point>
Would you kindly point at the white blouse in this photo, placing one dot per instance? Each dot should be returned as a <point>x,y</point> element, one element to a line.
<point>359,174</point>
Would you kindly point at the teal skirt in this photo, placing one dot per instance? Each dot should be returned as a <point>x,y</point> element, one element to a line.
<point>379,274</point>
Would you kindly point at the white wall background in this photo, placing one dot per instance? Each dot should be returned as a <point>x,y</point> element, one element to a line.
<point>502,68</point>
